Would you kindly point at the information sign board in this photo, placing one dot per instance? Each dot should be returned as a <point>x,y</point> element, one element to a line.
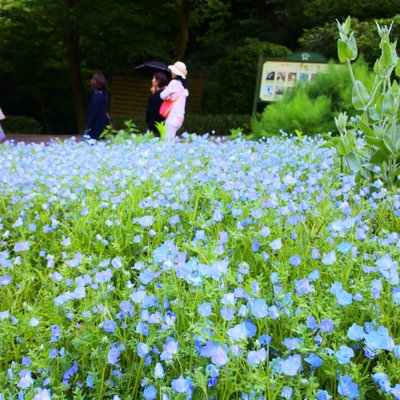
<point>279,76</point>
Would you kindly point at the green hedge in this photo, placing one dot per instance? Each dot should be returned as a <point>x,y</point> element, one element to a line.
<point>21,124</point>
<point>199,124</point>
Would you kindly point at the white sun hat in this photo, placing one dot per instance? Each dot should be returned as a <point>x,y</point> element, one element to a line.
<point>179,68</point>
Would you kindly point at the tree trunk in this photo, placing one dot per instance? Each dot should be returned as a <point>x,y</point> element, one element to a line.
<point>183,37</point>
<point>72,46</point>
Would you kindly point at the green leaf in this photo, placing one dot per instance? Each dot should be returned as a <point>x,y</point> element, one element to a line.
<point>353,47</point>
<point>379,157</point>
<point>353,162</point>
<point>360,96</point>
<point>395,174</point>
<point>397,69</point>
<point>389,144</point>
<point>346,25</point>
<point>364,127</point>
<point>386,59</point>
<point>388,104</point>
<point>375,94</point>
<point>344,52</point>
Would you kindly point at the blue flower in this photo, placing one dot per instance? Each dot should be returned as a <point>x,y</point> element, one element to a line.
<point>276,244</point>
<point>259,308</point>
<point>323,395</point>
<point>142,349</point>
<point>227,313</point>
<point>314,360</point>
<point>344,354</point>
<point>326,325</point>
<point>5,280</point>
<point>287,392</point>
<point>238,332</point>
<point>356,332</point>
<point>347,387</point>
<point>257,357</point>
<point>113,355</point>
<point>182,385</point>
<point>329,258</point>
<point>158,371</point>
<point>295,260</point>
<point>292,343</point>
<point>150,393</point>
<point>383,381</point>
<point>291,366</point>
<point>109,326</point>
<point>303,287</point>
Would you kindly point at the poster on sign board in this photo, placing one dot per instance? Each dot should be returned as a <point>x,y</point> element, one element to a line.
<point>279,76</point>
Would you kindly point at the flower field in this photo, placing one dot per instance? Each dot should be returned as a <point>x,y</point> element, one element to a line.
<point>198,269</point>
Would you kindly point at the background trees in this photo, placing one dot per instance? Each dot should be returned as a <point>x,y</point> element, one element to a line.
<point>48,48</point>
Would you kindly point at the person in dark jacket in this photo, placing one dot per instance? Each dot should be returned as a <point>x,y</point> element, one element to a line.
<point>158,82</point>
<point>98,116</point>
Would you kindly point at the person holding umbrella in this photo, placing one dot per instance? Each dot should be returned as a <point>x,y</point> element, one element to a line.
<point>176,91</point>
<point>159,81</point>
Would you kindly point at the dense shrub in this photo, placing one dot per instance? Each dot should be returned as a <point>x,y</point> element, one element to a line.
<point>311,107</point>
<point>21,124</point>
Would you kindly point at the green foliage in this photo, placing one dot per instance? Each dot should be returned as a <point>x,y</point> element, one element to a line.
<point>229,88</point>
<point>379,109</point>
<point>323,38</point>
<point>301,112</point>
<point>220,124</point>
<point>21,124</point>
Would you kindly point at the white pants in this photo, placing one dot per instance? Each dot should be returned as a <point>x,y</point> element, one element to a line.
<point>172,124</point>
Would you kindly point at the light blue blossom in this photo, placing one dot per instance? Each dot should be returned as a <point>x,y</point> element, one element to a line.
<point>314,360</point>
<point>326,325</point>
<point>257,357</point>
<point>259,308</point>
<point>150,393</point>
<point>347,387</point>
<point>276,244</point>
<point>329,258</point>
<point>355,332</point>
<point>182,385</point>
<point>344,354</point>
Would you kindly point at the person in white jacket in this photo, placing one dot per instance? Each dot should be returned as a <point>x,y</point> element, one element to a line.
<point>176,91</point>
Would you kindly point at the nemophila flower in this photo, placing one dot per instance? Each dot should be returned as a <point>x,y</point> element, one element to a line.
<point>361,234</point>
<point>22,246</point>
<point>264,231</point>
<point>34,322</point>
<point>292,343</point>
<point>215,352</point>
<point>347,387</point>
<point>314,360</point>
<point>257,357</point>
<point>244,268</point>
<point>259,308</point>
<point>314,275</point>
<point>376,287</point>
<point>109,326</point>
<point>344,298</point>
<point>323,395</point>
<point>228,299</point>
<point>295,260</point>
<point>182,385</point>
<point>170,348</point>
<point>142,349</point>
<point>344,247</point>
<point>26,361</point>
<point>255,287</point>
<point>355,332</point>
<point>158,371</point>
<point>344,354</point>
<point>117,263</point>
<point>145,222</point>
<point>227,313</point>
<point>291,365</point>
<point>255,246</point>
<point>303,287</point>
<point>265,340</point>
<point>383,381</point>
<point>396,350</point>
<point>238,332</point>
<point>113,355</point>
<point>90,381</point>
<point>276,244</point>
<point>315,254</point>
<point>388,268</point>
<point>287,392</point>
<point>379,340</point>
<point>326,325</point>
<point>42,394</point>
<point>329,258</point>
<point>5,280</point>
<point>243,311</point>
<point>70,372</point>
<point>150,393</point>
<point>311,322</point>
<point>126,308</point>
<point>204,309</point>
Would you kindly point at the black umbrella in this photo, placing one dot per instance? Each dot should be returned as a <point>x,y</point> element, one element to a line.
<point>148,68</point>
